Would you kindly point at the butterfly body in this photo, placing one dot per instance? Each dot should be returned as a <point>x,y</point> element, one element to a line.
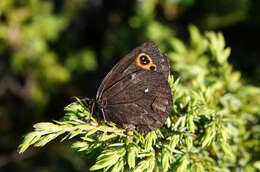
<point>136,94</point>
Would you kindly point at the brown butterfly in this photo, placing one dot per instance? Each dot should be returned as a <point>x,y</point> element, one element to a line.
<point>136,94</point>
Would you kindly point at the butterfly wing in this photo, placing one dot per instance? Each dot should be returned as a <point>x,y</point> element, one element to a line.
<point>143,102</point>
<point>127,65</point>
<point>134,97</point>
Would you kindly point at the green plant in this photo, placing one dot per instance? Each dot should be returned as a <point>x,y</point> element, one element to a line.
<point>28,32</point>
<point>214,125</point>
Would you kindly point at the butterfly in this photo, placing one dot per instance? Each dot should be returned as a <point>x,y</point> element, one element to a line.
<point>136,94</point>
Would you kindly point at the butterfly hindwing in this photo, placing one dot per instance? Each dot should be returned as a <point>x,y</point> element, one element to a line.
<point>143,104</point>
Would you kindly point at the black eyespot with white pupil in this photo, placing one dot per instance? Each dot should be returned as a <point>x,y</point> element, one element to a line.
<point>152,68</point>
<point>144,60</point>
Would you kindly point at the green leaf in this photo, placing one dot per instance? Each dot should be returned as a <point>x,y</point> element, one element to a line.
<point>209,136</point>
<point>183,164</point>
<point>228,151</point>
<point>142,165</point>
<point>103,163</point>
<point>150,139</point>
<point>174,141</point>
<point>108,158</point>
<point>46,139</point>
<point>81,146</point>
<point>29,139</point>
<point>132,155</point>
<point>166,159</point>
<point>178,46</point>
<point>119,166</point>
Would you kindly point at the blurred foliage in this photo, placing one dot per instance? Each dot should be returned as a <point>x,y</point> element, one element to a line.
<point>214,125</point>
<point>52,50</point>
<point>29,29</point>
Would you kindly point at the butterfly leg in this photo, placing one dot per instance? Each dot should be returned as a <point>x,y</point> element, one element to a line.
<point>89,103</point>
<point>103,114</point>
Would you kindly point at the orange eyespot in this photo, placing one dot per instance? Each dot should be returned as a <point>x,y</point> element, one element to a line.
<point>145,62</point>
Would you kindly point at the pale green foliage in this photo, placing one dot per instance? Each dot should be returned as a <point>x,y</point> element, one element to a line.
<point>84,61</point>
<point>27,31</point>
<point>213,127</point>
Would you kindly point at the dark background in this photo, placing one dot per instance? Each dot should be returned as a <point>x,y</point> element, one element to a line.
<point>51,51</point>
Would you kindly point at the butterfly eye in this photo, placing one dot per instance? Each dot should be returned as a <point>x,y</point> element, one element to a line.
<point>144,60</point>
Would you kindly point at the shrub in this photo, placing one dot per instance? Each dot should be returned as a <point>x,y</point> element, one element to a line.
<point>214,125</point>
